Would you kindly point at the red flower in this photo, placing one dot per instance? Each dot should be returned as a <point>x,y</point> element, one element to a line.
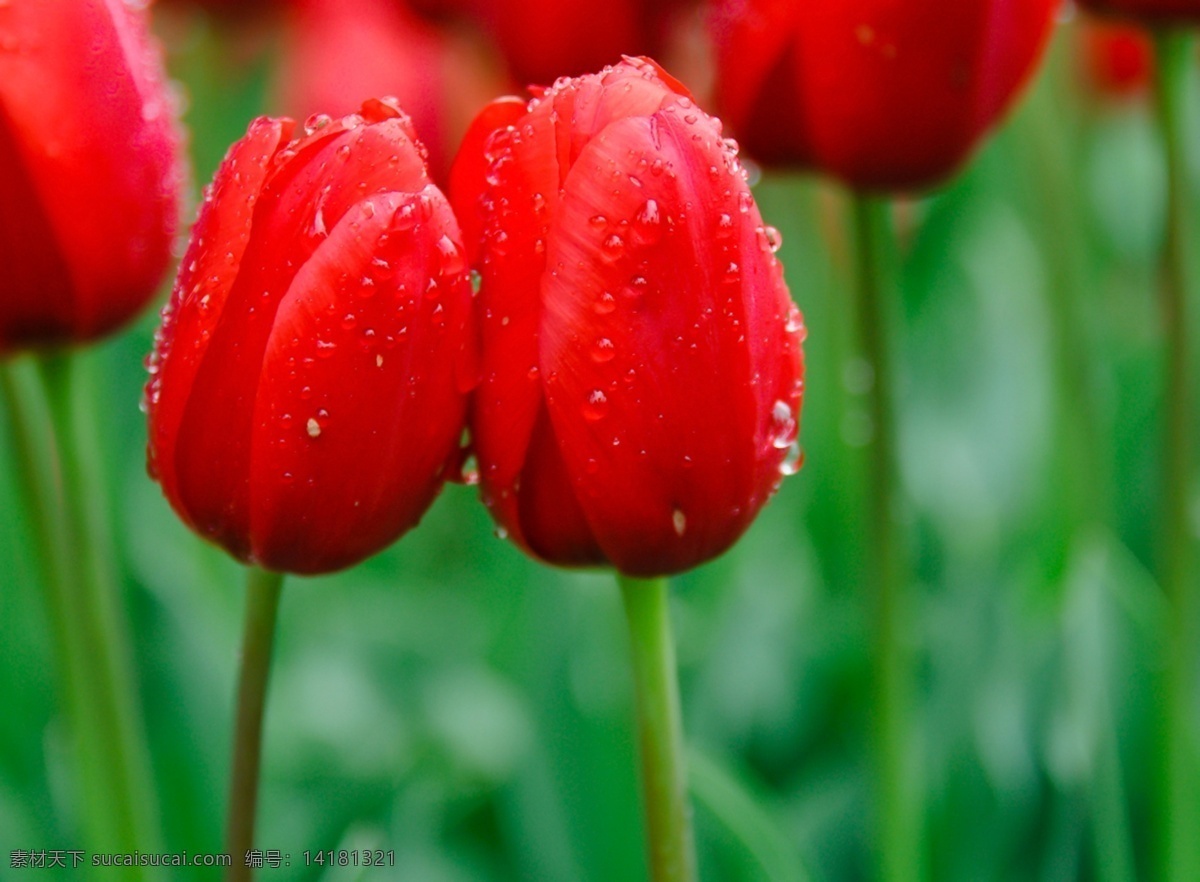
<point>1152,11</point>
<point>885,95</point>
<point>546,39</point>
<point>89,172</point>
<point>334,53</point>
<point>308,384</point>
<point>1118,60</point>
<point>642,367</point>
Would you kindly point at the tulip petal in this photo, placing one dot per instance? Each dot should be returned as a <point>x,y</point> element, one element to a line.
<point>114,169</point>
<point>650,372</point>
<point>198,301</point>
<point>520,203</point>
<point>346,383</point>
<point>312,183</point>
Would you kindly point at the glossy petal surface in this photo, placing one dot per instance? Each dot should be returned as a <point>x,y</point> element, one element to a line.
<point>323,304</point>
<point>638,339</point>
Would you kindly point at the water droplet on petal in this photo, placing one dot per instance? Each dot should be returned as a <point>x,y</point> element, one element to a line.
<point>792,461</point>
<point>613,246</point>
<point>450,257</point>
<point>648,223</point>
<point>603,351</point>
<point>605,304</point>
<point>783,425</point>
<point>596,406</point>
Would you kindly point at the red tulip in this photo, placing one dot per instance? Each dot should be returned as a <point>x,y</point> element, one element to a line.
<point>336,53</point>
<point>1153,11</point>
<point>308,384</point>
<point>1118,60</point>
<point>546,39</point>
<point>885,95</point>
<point>642,368</point>
<point>89,172</point>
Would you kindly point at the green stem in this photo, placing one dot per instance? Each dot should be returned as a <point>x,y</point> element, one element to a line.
<point>897,815</point>
<point>262,609</point>
<point>1176,822</point>
<point>660,731</point>
<point>93,636</point>
<point>36,472</point>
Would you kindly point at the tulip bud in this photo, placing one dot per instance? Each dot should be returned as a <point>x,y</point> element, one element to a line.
<point>642,367</point>
<point>1149,11</point>
<point>89,169</point>
<point>885,95</point>
<point>308,384</point>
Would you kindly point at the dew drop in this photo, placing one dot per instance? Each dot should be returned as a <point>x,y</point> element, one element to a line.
<point>783,425</point>
<point>596,406</point>
<point>605,304</point>
<point>795,324</point>
<point>769,239</point>
<point>603,351</point>
<point>450,257</point>
<point>613,246</point>
<point>792,461</point>
<point>648,223</point>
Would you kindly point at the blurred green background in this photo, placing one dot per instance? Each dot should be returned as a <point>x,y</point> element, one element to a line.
<point>471,710</point>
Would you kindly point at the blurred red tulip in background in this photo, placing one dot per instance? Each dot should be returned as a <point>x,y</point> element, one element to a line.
<point>308,385</point>
<point>89,169</point>
<point>1117,60</point>
<point>335,54</point>
<point>1158,11</point>
<point>642,368</point>
<point>546,39</point>
<point>884,95</point>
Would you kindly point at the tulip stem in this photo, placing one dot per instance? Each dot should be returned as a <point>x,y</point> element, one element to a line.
<point>670,846</point>
<point>87,613</point>
<point>35,468</point>
<point>897,817</point>
<point>262,609</point>
<point>1177,784</point>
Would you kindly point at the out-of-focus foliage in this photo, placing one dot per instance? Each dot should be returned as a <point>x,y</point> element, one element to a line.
<point>470,710</point>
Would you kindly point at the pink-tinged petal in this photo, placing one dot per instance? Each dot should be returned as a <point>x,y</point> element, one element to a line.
<point>206,277</point>
<point>644,342</point>
<point>360,370</point>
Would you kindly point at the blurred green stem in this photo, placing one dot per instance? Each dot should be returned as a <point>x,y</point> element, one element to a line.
<point>258,636</point>
<point>92,634</point>
<point>897,814</point>
<point>1177,822</point>
<point>660,730</point>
